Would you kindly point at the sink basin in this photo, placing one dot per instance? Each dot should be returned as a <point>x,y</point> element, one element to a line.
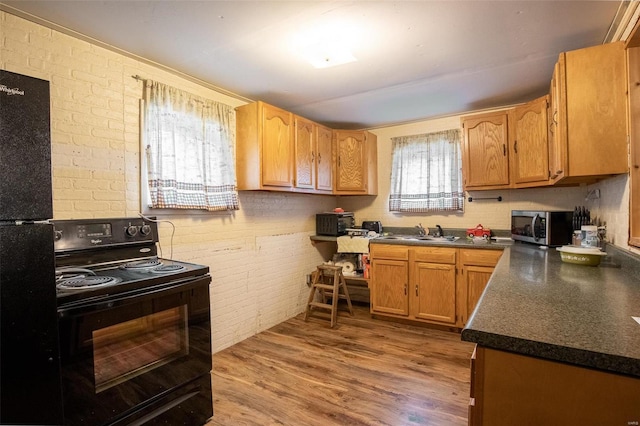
<point>445,239</point>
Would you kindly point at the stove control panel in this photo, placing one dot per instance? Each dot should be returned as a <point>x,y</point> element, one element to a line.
<point>84,234</point>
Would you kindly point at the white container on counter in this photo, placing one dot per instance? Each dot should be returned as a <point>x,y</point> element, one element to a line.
<point>590,236</point>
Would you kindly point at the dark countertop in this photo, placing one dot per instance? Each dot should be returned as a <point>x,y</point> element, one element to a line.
<point>461,243</point>
<point>536,305</point>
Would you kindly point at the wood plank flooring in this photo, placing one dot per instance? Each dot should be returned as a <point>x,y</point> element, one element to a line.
<point>364,371</point>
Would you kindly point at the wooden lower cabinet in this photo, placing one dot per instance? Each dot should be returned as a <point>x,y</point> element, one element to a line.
<point>437,285</point>
<point>511,389</point>
<point>390,294</point>
<point>476,267</point>
<point>432,278</point>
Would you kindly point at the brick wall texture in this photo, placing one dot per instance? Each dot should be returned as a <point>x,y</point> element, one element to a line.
<point>259,256</point>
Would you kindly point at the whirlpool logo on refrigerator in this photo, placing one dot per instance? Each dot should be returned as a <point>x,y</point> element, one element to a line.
<point>10,91</point>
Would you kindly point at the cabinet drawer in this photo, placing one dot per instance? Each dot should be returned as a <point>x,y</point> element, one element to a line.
<point>480,257</point>
<point>389,251</point>
<point>434,255</point>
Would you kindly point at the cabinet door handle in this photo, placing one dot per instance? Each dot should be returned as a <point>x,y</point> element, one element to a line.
<point>319,158</point>
<point>554,116</point>
<point>313,156</point>
<point>504,150</point>
<point>405,289</point>
<point>515,147</point>
<point>416,289</point>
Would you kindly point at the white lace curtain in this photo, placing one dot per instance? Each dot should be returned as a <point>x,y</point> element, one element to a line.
<point>426,173</point>
<point>189,144</point>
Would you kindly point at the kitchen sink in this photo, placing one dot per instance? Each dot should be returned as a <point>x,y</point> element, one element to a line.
<point>445,239</point>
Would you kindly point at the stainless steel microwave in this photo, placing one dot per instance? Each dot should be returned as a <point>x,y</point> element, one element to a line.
<point>547,228</point>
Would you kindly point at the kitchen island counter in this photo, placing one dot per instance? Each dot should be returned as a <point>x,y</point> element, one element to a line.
<point>535,305</point>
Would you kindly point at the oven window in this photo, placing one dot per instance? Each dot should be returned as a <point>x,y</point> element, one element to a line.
<point>129,349</point>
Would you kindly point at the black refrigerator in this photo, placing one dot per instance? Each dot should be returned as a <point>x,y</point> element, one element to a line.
<point>30,383</point>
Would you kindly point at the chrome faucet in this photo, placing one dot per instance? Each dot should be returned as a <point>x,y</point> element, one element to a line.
<point>421,231</point>
<point>440,232</point>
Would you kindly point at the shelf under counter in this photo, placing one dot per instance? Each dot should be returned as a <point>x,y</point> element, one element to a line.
<point>358,286</point>
<point>323,238</point>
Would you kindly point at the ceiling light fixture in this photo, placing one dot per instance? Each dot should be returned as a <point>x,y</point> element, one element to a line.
<point>325,54</point>
<point>326,47</point>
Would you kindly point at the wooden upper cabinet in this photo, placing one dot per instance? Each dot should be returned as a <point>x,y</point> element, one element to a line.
<point>305,136</point>
<point>485,152</point>
<point>530,161</point>
<point>313,153</point>
<point>589,114</point>
<point>557,128</point>
<point>277,146</point>
<point>280,151</point>
<point>324,159</point>
<point>356,162</point>
<point>634,138</point>
<point>264,147</point>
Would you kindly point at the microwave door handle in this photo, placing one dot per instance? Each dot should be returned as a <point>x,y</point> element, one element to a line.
<point>533,226</point>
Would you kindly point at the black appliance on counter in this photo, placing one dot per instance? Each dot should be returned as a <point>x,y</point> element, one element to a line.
<point>334,223</point>
<point>546,228</point>
<point>135,329</point>
<point>30,386</point>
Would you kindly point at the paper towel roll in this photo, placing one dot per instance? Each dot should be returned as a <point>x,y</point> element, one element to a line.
<point>348,268</point>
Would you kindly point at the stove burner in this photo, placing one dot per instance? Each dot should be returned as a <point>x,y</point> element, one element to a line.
<point>143,264</point>
<point>162,269</point>
<point>82,282</point>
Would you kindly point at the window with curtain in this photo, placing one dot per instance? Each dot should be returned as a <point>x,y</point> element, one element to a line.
<point>426,173</point>
<point>189,143</point>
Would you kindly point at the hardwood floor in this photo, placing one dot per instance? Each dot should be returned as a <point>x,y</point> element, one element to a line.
<point>363,372</point>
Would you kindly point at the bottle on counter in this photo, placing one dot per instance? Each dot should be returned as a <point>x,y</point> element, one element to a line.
<point>576,239</point>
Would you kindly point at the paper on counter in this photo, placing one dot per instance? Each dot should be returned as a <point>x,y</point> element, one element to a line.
<point>637,319</point>
<point>348,244</point>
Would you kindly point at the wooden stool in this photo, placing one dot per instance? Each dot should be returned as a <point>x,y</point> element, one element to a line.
<point>328,289</point>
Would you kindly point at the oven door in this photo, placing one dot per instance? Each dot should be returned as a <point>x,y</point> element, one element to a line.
<point>138,357</point>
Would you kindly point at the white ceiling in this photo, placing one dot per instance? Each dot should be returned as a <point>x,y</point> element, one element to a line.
<point>416,59</point>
